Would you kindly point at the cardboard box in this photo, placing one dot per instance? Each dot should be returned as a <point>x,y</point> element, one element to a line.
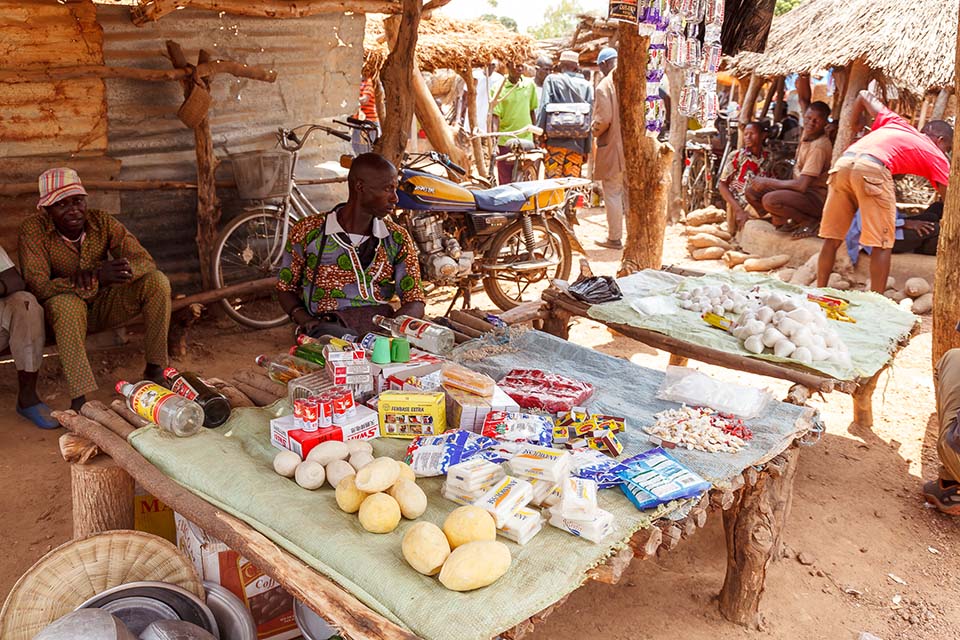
<point>363,425</point>
<point>421,364</point>
<point>468,411</point>
<point>268,602</point>
<point>409,415</point>
<point>150,515</point>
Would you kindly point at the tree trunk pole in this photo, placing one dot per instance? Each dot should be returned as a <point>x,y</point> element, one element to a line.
<point>678,140</point>
<point>102,497</point>
<point>753,529</point>
<point>646,184</point>
<point>471,97</point>
<point>946,298</point>
<point>925,106</point>
<point>397,78</point>
<point>857,80</point>
<point>749,106</point>
<point>432,121</point>
<point>768,100</point>
<point>940,106</point>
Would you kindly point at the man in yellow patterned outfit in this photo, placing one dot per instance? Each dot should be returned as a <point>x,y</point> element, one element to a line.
<point>89,272</point>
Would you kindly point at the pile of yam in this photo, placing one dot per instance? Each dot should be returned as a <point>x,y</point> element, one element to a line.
<point>707,240</point>
<point>916,294</point>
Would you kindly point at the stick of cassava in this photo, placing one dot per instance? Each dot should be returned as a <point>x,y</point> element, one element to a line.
<point>99,412</point>
<point>259,397</point>
<point>120,408</point>
<point>259,381</point>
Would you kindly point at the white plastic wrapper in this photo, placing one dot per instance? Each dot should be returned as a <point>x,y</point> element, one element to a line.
<point>690,387</point>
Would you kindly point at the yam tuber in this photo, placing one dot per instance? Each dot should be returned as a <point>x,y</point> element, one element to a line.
<point>916,287</point>
<point>838,282</point>
<point>733,258</point>
<point>923,304</point>
<point>701,240</point>
<point>786,274</point>
<point>766,264</point>
<point>707,215</point>
<point>707,253</point>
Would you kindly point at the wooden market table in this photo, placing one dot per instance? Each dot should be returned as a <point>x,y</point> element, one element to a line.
<point>560,307</point>
<point>754,504</point>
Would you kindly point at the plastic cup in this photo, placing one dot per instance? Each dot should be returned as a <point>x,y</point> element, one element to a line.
<point>381,350</point>
<point>400,350</point>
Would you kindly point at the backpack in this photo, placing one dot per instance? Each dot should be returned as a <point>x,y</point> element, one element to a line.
<point>568,120</point>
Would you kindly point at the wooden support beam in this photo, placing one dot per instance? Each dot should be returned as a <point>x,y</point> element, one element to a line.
<point>767,101</point>
<point>206,70</point>
<point>471,97</point>
<point>940,106</point>
<point>397,78</point>
<point>753,529</point>
<point>320,593</point>
<point>671,535</point>
<point>645,542</point>
<point>30,188</point>
<point>863,401</point>
<point>678,140</point>
<point>612,570</point>
<point>858,77</point>
<point>431,119</point>
<point>749,105</point>
<point>156,9</point>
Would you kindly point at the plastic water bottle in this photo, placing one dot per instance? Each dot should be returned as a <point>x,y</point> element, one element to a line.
<point>421,334</point>
<point>215,405</point>
<point>163,407</point>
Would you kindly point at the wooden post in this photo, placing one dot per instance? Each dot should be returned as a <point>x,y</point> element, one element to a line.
<point>840,88</point>
<point>857,80</point>
<point>768,100</point>
<point>432,121</point>
<point>397,77</point>
<point>940,106</point>
<point>925,105</point>
<point>645,189</point>
<point>471,97</point>
<point>753,529</point>
<point>749,106</point>
<point>780,106</point>
<point>678,140</point>
<point>102,497</point>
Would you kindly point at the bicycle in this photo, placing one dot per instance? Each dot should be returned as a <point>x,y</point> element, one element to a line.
<point>526,155</point>
<point>251,246</point>
<point>698,172</point>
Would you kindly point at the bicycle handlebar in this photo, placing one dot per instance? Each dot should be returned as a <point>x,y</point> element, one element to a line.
<point>289,140</point>
<point>535,130</point>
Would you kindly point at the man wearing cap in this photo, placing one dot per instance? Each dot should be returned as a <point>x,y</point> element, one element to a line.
<point>565,118</point>
<point>21,329</point>
<point>90,273</point>
<point>609,161</point>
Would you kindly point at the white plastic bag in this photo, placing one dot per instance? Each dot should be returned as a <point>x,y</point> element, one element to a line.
<point>691,387</point>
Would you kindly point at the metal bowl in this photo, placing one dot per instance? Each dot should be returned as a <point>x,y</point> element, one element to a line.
<point>88,624</point>
<point>233,618</point>
<point>312,626</point>
<point>175,630</point>
<point>138,604</point>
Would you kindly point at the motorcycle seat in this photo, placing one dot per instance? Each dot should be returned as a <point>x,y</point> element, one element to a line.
<point>511,198</point>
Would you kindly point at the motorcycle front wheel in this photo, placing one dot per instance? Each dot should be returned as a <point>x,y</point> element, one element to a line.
<point>509,287</point>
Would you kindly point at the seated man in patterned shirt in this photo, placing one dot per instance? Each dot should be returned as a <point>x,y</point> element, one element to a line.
<point>89,272</point>
<point>343,267</point>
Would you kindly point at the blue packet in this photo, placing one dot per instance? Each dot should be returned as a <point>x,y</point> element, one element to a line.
<point>590,464</point>
<point>655,477</point>
<point>433,455</point>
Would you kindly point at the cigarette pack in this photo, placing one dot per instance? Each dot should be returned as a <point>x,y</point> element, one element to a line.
<point>468,411</point>
<point>409,415</point>
<point>347,355</point>
<point>363,425</point>
<point>504,498</point>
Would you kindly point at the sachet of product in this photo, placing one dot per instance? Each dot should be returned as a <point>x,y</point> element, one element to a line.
<point>504,498</point>
<point>474,473</point>
<point>518,427</point>
<point>433,455</point>
<point>458,376</point>
<point>655,477</point>
<point>522,526</point>
<point>578,498</point>
<point>534,461</point>
<point>594,528</point>
<point>593,465</point>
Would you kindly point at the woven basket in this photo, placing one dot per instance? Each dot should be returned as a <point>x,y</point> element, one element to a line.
<point>76,571</point>
<point>194,109</point>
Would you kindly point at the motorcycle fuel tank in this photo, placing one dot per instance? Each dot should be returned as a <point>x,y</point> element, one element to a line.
<point>419,191</point>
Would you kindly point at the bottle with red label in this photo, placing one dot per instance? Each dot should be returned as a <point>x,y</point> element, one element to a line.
<point>216,407</point>
<point>163,407</point>
<point>421,334</point>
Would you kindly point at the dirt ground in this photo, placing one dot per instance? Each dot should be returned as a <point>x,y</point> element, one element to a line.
<point>875,558</point>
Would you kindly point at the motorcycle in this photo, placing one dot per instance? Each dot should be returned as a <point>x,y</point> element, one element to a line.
<point>514,239</point>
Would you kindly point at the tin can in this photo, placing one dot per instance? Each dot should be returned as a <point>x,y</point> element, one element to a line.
<point>344,406</point>
<point>324,405</point>
<point>310,422</point>
<point>298,406</point>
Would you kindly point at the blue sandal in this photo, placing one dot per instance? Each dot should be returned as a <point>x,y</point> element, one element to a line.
<point>39,414</point>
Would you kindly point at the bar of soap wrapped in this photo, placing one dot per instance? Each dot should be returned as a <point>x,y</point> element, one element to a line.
<point>594,528</point>
<point>504,498</point>
<point>459,377</point>
<point>541,462</point>
<point>578,499</point>
<point>473,474</point>
<point>522,526</point>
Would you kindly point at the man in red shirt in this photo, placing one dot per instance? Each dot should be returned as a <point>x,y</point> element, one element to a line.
<point>862,178</point>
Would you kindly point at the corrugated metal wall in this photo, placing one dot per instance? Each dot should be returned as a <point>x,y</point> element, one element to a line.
<point>318,60</point>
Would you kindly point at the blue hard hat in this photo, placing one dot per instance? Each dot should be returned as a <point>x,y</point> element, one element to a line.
<point>606,53</point>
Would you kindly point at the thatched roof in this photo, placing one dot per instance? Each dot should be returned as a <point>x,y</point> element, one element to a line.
<point>910,44</point>
<point>444,43</point>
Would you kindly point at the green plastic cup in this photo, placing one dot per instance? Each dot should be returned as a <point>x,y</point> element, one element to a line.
<point>400,350</point>
<point>381,350</point>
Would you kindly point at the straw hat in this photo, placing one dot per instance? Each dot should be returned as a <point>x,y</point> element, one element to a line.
<point>74,572</point>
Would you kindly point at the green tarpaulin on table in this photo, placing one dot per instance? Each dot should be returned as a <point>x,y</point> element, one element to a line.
<point>881,323</point>
<point>231,468</point>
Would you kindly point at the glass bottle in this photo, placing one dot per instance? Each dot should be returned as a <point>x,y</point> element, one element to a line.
<point>215,405</point>
<point>162,407</point>
<point>421,333</point>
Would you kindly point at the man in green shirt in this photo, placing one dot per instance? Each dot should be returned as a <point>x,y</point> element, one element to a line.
<point>514,106</point>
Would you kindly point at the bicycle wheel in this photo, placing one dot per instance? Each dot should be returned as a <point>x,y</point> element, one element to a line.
<point>249,248</point>
<point>508,288</point>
